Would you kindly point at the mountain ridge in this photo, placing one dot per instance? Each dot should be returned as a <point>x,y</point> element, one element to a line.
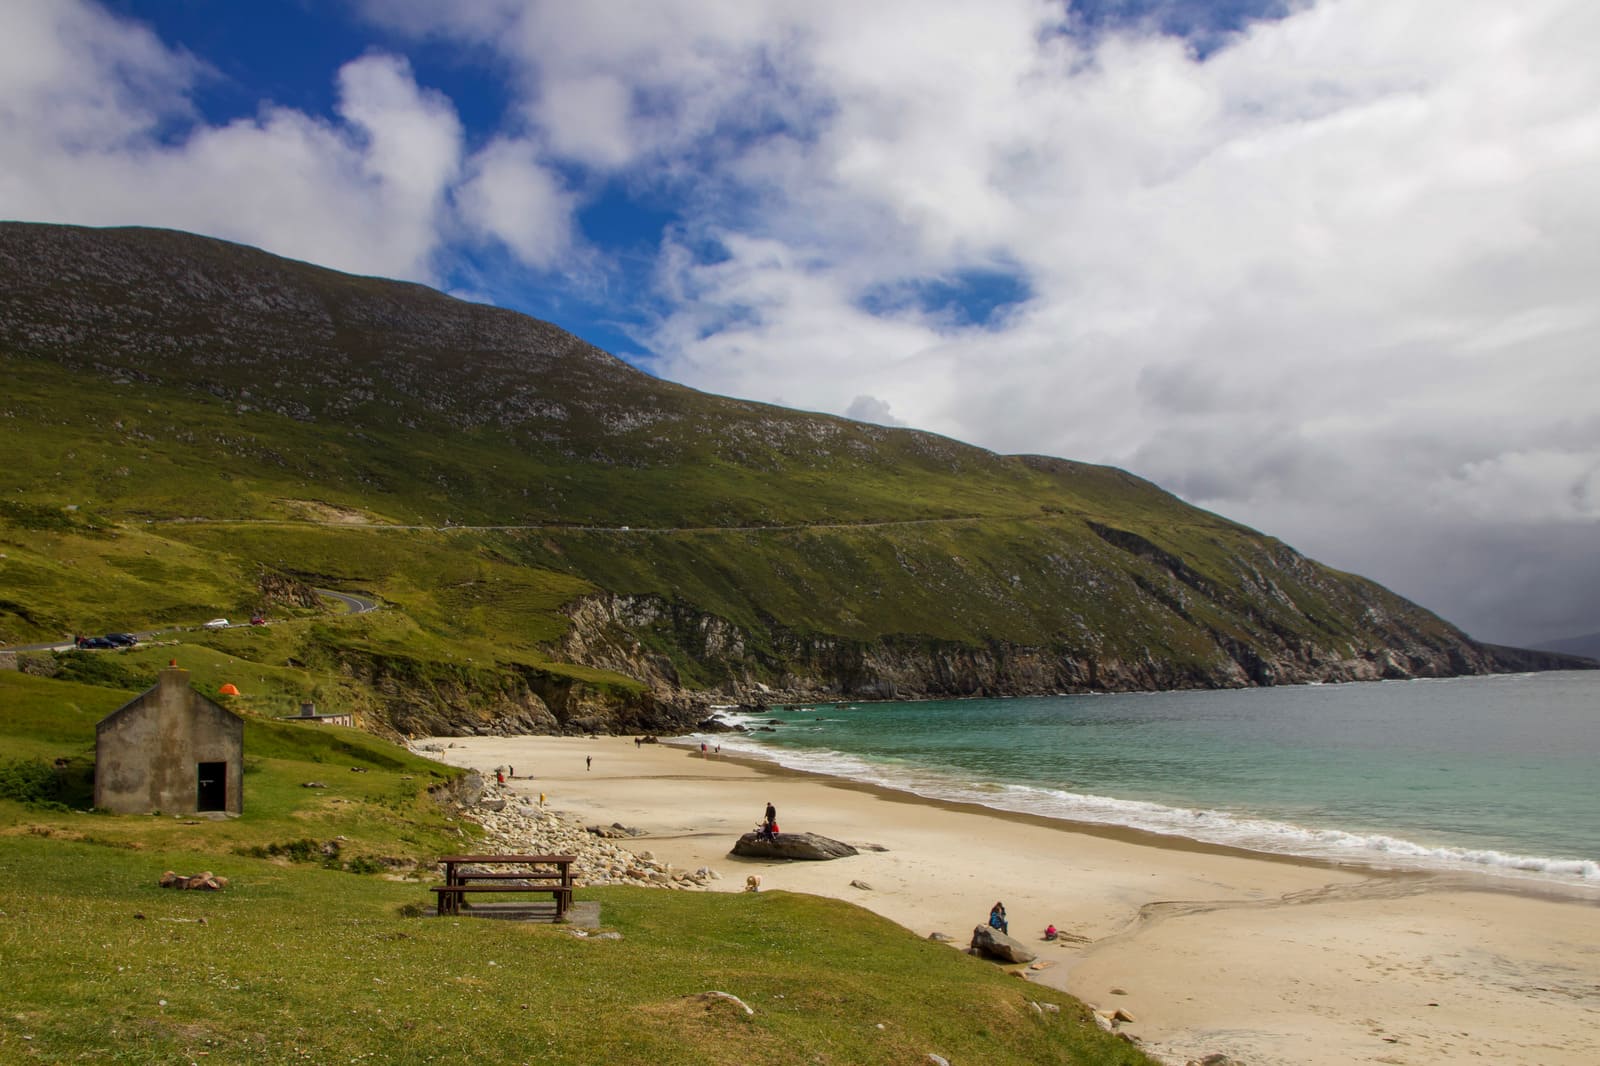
<point>1586,646</point>
<point>512,488</point>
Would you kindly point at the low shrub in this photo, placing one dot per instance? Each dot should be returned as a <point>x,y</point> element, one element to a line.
<point>32,781</point>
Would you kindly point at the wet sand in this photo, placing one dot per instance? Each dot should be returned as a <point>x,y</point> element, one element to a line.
<point>1270,960</point>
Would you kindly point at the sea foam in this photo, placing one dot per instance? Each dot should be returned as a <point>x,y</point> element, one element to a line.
<point>1226,828</point>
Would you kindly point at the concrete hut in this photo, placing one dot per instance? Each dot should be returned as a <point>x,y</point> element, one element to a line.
<point>170,750</point>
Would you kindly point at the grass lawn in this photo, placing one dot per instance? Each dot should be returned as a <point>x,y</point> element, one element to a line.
<point>326,961</point>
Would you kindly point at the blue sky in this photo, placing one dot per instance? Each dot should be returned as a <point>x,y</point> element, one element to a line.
<point>1324,266</point>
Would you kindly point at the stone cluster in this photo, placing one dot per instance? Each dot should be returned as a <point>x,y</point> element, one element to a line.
<point>206,881</point>
<point>514,826</point>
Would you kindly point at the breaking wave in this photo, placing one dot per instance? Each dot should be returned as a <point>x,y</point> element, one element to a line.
<point>1232,829</point>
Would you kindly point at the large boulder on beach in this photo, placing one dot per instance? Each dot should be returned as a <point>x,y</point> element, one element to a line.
<point>991,942</point>
<point>791,846</point>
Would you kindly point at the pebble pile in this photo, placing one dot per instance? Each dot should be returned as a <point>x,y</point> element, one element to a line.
<point>514,826</point>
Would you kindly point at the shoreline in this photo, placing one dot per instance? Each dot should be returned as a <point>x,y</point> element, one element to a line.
<point>1490,879</point>
<point>1269,958</point>
<point>1508,881</point>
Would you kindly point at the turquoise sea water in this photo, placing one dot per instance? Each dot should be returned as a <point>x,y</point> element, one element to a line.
<point>1494,773</point>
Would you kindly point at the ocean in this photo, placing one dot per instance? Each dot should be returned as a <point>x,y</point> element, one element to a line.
<point>1494,774</point>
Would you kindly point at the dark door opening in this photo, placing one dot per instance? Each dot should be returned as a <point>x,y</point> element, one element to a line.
<point>212,794</point>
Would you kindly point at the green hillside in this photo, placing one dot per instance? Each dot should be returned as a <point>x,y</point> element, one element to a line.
<point>193,429</point>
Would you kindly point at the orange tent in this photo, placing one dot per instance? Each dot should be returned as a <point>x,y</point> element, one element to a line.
<point>229,690</point>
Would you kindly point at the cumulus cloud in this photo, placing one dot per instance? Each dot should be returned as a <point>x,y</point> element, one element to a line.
<point>98,128</point>
<point>871,409</point>
<point>93,80</point>
<point>510,196</point>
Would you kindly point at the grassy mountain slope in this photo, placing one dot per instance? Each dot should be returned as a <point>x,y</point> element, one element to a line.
<point>228,425</point>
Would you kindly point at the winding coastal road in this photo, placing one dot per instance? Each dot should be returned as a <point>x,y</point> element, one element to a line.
<point>570,527</point>
<point>352,604</point>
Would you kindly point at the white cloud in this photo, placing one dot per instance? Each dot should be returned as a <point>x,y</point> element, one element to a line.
<point>365,194</point>
<point>871,409</point>
<point>97,128</point>
<point>511,197</point>
<point>72,75</point>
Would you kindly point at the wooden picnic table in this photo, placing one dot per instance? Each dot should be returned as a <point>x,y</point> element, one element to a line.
<point>542,873</point>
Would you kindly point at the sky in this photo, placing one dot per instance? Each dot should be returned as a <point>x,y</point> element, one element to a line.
<point>1330,268</point>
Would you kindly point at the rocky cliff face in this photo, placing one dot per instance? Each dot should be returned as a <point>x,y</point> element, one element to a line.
<point>416,698</point>
<point>647,638</point>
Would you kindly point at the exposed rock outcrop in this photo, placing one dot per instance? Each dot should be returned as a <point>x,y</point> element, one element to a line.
<point>808,846</point>
<point>994,944</point>
<point>782,666</point>
<point>449,699</point>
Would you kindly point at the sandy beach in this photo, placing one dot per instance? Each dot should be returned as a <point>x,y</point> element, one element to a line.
<point>1271,961</point>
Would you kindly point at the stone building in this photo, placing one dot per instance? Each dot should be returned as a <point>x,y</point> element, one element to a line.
<point>308,713</point>
<point>170,750</point>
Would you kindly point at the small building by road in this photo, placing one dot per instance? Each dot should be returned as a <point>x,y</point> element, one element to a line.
<point>308,713</point>
<point>170,750</point>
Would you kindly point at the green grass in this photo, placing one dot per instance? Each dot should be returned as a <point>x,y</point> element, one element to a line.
<point>306,961</point>
<point>299,964</point>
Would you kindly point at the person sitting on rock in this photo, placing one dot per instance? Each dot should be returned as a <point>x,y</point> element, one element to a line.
<point>997,918</point>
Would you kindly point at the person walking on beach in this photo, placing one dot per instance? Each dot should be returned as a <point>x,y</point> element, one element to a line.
<point>588,762</point>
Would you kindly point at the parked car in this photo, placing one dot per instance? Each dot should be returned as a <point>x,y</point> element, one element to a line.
<point>217,623</point>
<point>95,642</point>
<point>122,640</point>
<point>258,620</point>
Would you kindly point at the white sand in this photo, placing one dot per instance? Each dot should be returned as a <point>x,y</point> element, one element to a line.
<point>1271,961</point>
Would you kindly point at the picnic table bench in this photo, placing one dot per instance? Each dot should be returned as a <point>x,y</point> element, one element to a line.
<point>544,873</point>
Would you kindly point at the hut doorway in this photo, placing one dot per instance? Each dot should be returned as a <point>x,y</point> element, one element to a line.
<point>211,793</point>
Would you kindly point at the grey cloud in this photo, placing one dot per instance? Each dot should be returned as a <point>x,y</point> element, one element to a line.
<point>871,409</point>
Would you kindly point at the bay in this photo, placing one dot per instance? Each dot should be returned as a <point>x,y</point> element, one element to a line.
<point>1487,773</point>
